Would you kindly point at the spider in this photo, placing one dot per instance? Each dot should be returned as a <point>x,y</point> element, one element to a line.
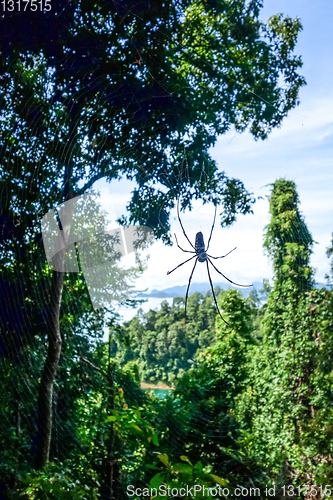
<point>201,255</point>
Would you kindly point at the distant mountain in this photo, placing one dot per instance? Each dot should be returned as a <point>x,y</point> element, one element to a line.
<point>180,291</point>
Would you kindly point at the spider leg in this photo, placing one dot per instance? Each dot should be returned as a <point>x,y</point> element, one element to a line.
<point>211,285</point>
<point>222,255</point>
<point>189,283</point>
<point>211,232</point>
<point>181,225</point>
<point>237,284</point>
<point>169,272</point>
<point>187,251</point>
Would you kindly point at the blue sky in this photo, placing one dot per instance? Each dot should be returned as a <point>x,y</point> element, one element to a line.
<point>301,150</point>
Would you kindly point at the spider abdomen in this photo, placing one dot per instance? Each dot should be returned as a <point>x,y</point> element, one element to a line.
<point>200,247</point>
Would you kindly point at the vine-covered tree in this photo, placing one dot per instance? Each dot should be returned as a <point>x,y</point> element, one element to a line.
<point>287,236</point>
<point>285,412</point>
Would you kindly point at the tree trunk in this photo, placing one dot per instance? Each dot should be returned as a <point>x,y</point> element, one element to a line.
<point>44,431</point>
<point>44,412</point>
<point>112,463</point>
<point>44,424</point>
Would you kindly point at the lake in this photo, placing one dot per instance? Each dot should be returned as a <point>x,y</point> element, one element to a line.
<point>160,393</point>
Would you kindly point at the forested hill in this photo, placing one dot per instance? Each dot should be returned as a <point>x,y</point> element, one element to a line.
<point>163,345</point>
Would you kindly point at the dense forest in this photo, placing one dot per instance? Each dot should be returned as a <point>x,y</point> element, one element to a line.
<point>112,90</point>
<point>164,346</point>
<point>250,404</point>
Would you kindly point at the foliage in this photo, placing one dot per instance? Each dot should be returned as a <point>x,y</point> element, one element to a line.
<point>329,253</point>
<point>200,411</point>
<point>285,412</point>
<point>288,235</point>
<point>112,95</point>
<point>24,331</point>
<point>60,482</point>
<point>104,91</point>
<point>212,66</point>
<point>255,408</point>
<point>160,342</point>
<point>241,62</point>
<point>255,300</point>
<point>184,476</point>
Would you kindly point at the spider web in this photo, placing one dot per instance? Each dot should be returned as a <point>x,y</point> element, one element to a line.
<point>27,323</point>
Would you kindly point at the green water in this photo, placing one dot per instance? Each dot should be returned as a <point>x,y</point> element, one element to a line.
<point>160,393</point>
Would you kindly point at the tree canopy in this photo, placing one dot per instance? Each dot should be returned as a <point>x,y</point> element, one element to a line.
<point>121,89</point>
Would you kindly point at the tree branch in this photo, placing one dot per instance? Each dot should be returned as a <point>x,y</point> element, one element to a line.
<point>92,181</point>
<point>93,366</point>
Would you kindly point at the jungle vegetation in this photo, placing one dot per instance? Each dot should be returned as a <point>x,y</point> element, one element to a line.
<point>112,90</point>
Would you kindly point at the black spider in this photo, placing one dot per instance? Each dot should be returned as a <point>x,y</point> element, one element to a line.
<point>201,255</point>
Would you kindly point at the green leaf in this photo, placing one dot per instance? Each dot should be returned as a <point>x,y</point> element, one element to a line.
<point>135,430</point>
<point>218,480</point>
<point>111,419</point>
<point>157,480</point>
<point>164,459</point>
<point>185,459</point>
<point>198,466</point>
<point>182,468</point>
<point>155,439</point>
